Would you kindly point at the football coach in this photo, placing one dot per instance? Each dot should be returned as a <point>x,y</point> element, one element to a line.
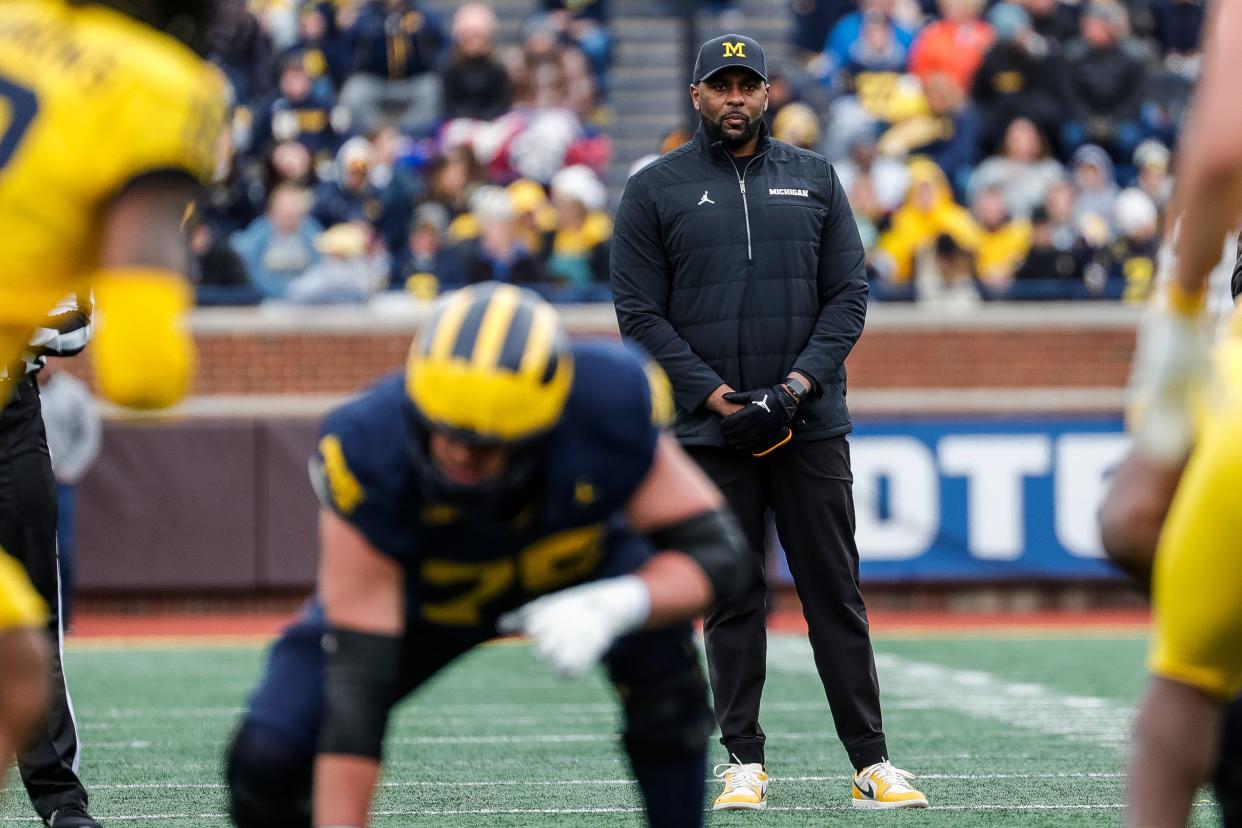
<point>737,264</point>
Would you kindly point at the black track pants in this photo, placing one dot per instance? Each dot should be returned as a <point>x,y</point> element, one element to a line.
<point>809,488</point>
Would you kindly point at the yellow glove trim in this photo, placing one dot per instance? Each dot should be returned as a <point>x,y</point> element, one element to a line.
<point>788,436</point>
<point>144,356</point>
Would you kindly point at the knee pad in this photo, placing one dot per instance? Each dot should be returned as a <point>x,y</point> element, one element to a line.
<point>269,781</point>
<point>1227,778</point>
<point>670,717</point>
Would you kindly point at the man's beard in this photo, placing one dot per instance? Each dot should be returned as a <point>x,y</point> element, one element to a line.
<point>715,131</point>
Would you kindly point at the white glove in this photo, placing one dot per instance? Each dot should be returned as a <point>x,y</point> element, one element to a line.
<point>1170,367</point>
<point>573,628</point>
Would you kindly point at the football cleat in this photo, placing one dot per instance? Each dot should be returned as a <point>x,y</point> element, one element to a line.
<point>882,786</point>
<point>71,816</point>
<point>745,787</point>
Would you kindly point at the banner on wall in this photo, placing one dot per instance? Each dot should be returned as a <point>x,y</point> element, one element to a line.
<point>982,499</point>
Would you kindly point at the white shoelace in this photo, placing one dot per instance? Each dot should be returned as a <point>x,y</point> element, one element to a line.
<point>737,775</point>
<point>892,776</point>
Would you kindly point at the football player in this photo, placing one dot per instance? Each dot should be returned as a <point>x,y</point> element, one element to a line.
<point>109,118</point>
<point>1196,656</point>
<point>1131,519</point>
<point>24,655</point>
<point>509,482</point>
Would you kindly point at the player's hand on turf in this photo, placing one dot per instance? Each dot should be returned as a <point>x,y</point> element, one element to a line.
<point>1170,370</point>
<point>573,628</point>
<point>762,424</point>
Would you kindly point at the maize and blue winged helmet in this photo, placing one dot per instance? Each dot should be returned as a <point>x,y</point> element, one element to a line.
<point>491,365</point>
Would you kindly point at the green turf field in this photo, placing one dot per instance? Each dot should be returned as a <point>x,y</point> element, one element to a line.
<point>1003,731</point>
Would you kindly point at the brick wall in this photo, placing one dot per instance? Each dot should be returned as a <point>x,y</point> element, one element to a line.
<point>991,358</point>
<point>908,353</point>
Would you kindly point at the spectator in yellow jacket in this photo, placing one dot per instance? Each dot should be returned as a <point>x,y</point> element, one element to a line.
<point>927,215</point>
<point>1003,242</point>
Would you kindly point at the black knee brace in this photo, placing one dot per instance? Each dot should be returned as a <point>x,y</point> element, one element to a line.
<point>269,781</point>
<point>670,717</point>
<point>1227,779</point>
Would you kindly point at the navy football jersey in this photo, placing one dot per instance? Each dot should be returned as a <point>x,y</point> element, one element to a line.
<point>464,567</point>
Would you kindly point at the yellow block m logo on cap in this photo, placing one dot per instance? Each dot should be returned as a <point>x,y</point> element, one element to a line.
<point>734,49</point>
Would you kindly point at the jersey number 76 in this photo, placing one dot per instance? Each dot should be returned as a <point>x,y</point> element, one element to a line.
<point>544,566</point>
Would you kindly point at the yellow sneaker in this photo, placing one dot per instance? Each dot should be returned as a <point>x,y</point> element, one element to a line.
<point>883,786</point>
<point>745,787</point>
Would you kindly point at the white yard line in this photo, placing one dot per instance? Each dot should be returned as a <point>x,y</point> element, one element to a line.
<point>559,783</point>
<point>533,713</point>
<point>438,722</point>
<point>1025,705</point>
<point>174,713</point>
<point>603,736</point>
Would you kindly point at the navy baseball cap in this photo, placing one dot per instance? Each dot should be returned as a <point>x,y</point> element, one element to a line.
<point>728,51</point>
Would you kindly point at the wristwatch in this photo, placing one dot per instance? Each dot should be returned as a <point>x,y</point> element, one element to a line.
<point>796,387</point>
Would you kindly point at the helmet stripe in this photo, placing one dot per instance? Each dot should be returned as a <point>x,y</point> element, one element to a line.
<point>543,329</point>
<point>463,348</point>
<point>515,343</point>
<point>554,361</point>
<point>445,334</point>
<point>495,327</point>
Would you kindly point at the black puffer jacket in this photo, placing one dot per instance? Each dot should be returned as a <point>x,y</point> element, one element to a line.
<point>739,273</point>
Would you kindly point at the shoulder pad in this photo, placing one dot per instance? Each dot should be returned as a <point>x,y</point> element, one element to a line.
<point>342,491</point>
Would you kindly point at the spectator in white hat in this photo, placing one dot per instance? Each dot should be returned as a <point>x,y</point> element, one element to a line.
<point>578,253</point>
<point>1127,266</point>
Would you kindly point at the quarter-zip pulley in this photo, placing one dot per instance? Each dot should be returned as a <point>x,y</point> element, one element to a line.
<point>741,184</point>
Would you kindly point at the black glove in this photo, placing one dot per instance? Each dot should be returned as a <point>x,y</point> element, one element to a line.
<point>762,424</point>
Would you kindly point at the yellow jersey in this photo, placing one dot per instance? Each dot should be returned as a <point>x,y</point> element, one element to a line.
<point>20,605</point>
<point>90,99</point>
<point>1196,586</point>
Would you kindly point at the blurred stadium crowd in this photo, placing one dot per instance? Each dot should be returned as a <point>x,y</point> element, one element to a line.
<point>1020,150</point>
<point>376,146</point>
